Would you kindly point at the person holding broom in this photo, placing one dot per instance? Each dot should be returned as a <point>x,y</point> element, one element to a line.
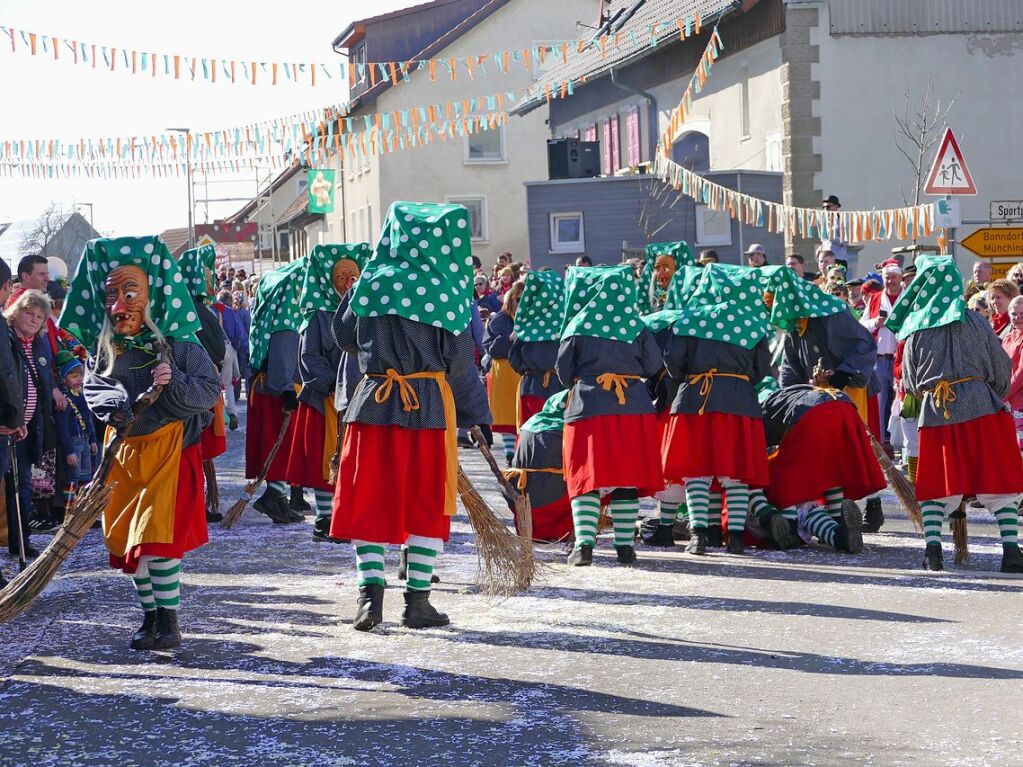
<point>407,321</point>
<point>129,305</point>
<point>955,364</point>
<point>274,361</point>
<point>330,272</point>
<point>610,435</point>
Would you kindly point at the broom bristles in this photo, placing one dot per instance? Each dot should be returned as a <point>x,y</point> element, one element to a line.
<point>960,537</point>
<point>900,485</point>
<point>235,512</point>
<point>506,564</point>
<point>29,584</point>
<point>212,488</point>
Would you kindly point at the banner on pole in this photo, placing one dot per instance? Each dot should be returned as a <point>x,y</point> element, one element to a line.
<point>321,190</point>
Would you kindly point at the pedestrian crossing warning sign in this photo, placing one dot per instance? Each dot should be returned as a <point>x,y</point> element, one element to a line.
<point>949,174</point>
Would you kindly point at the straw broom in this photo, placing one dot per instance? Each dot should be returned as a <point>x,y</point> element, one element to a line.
<point>209,470</point>
<point>235,512</point>
<point>30,583</point>
<point>960,537</point>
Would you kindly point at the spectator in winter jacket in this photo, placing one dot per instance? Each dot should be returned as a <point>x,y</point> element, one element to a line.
<point>75,428</point>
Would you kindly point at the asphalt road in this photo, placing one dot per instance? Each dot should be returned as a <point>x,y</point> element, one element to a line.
<point>803,658</point>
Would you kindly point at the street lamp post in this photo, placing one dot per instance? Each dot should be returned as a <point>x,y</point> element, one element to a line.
<point>188,175</point>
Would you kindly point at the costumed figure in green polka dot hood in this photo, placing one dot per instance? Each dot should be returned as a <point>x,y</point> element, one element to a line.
<point>330,273</point>
<point>611,436</point>
<point>821,334</point>
<point>956,366</point>
<point>197,270</point>
<point>129,305</point>
<point>534,345</point>
<point>717,353</point>
<point>407,321</point>
<point>662,260</point>
<point>274,344</point>
<point>537,470</point>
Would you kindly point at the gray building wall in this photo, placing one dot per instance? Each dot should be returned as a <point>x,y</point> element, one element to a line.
<point>612,209</point>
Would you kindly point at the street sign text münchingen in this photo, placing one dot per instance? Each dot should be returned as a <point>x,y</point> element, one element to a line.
<point>993,242</point>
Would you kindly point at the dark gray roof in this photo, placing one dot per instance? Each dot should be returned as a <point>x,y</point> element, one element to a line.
<point>591,65</point>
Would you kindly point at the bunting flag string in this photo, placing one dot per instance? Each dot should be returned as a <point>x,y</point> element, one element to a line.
<point>177,66</point>
<point>811,223</point>
<point>695,87</point>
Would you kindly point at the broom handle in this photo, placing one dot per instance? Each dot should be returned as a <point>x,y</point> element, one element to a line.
<point>510,493</point>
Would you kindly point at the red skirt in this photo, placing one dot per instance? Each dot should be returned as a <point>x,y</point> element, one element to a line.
<point>874,417</point>
<point>716,445</point>
<point>827,448</point>
<point>304,451</point>
<point>612,451</point>
<point>212,444</point>
<point>390,485</point>
<point>265,417</point>
<point>529,406</point>
<point>190,531</point>
<point>553,522</point>
<point>972,458</point>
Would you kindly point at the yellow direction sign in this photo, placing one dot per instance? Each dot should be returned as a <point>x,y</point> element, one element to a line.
<point>992,242</point>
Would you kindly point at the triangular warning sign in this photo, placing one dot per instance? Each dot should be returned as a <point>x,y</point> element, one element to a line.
<point>949,174</point>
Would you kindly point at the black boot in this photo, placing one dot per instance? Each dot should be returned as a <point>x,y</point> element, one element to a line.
<point>698,542</point>
<point>370,611</point>
<point>145,637</point>
<point>661,536</point>
<point>213,517</point>
<point>403,567</point>
<point>735,544</point>
<point>874,518</point>
<point>852,529</point>
<point>168,635</point>
<point>715,536</point>
<point>626,555</point>
<point>781,532</point>
<point>1012,558</point>
<point>270,503</point>
<point>298,501</point>
<point>321,530</point>
<point>932,557</point>
<point>419,613</point>
<point>680,530</point>
<point>581,556</point>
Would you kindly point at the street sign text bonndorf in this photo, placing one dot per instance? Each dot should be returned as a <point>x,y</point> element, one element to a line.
<point>992,242</point>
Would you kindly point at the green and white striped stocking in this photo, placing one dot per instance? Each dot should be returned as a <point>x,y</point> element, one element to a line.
<point>933,513</point>
<point>369,563</point>
<point>585,515</point>
<point>715,505</point>
<point>324,501</point>
<point>165,575</point>
<point>281,488</point>
<point>737,495</point>
<point>698,500</point>
<point>820,524</point>
<point>833,499</point>
<point>623,516</point>
<point>422,556</point>
<point>143,586</point>
<point>1008,525</point>
<point>668,512</point>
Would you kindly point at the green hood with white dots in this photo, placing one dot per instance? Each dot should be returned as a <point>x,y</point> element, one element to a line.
<point>542,308</point>
<point>421,269</point>
<point>277,307</point>
<point>601,301</point>
<point>933,299</point>
<point>170,304</point>
<point>318,294</point>
<point>726,305</point>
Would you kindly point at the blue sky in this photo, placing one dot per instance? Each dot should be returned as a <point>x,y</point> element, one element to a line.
<point>47,99</point>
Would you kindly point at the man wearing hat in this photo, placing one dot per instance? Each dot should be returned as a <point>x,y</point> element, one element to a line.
<point>837,246</point>
<point>708,257</point>
<point>756,256</point>
<point>877,308</point>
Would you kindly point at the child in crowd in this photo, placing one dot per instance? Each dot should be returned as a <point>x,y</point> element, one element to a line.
<point>75,428</point>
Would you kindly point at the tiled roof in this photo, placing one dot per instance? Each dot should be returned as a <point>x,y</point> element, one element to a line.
<point>176,240</point>
<point>591,64</point>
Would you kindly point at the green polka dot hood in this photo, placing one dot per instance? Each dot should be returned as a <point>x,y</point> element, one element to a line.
<point>194,264</point>
<point>933,299</point>
<point>170,304</point>
<point>318,294</point>
<point>652,297</point>
<point>277,307</point>
<point>601,301</point>
<point>796,299</point>
<point>421,269</point>
<point>541,311</point>
<point>726,305</point>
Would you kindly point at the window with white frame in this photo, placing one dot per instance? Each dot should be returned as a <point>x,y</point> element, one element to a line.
<point>368,230</point>
<point>479,226</point>
<point>485,146</point>
<point>773,156</point>
<point>360,58</point>
<point>567,234</point>
<point>713,227</point>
